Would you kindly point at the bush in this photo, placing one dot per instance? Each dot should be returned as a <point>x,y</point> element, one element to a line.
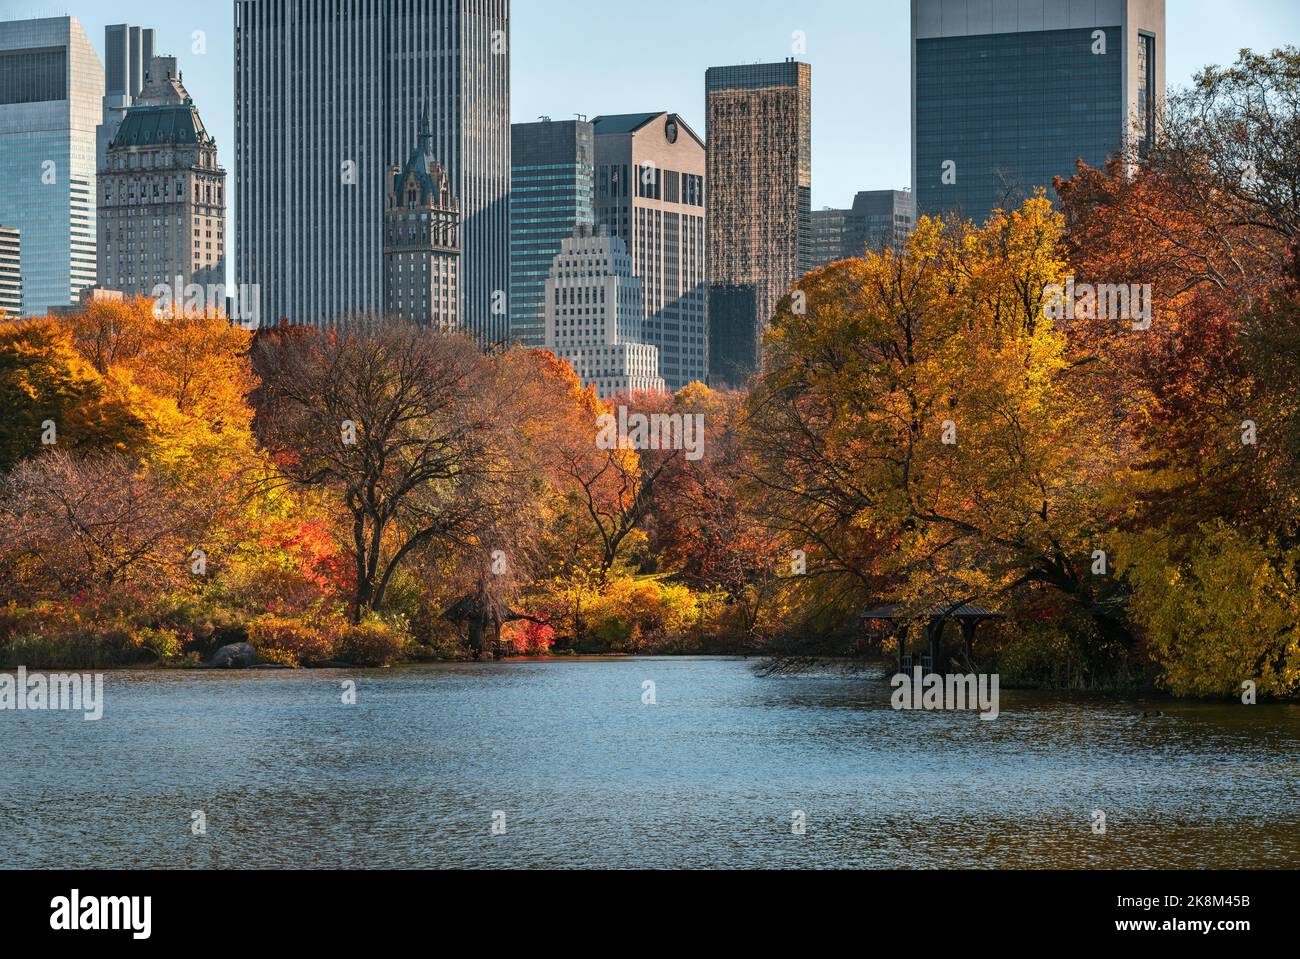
<point>164,644</point>
<point>629,615</point>
<point>373,643</point>
<point>292,642</point>
<point>529,639</point>
<point>71,648</point>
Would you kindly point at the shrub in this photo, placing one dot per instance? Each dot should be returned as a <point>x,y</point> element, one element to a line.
<point>373,643</point>
<point>529,639</point>
<point>71,648</point>
<point>165,644</point>
<point>292,642</point>
<point>628,615</point>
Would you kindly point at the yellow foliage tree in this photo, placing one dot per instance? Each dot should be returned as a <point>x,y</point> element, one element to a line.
<point>1218,611</point>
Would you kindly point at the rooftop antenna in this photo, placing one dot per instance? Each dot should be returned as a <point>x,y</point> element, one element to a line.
<point>545,119</point>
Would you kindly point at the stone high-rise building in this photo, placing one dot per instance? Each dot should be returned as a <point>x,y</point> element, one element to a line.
<point>650,176</point>
<point>595,318</point>
<point>760,204</point>
<point>878,219</point>
<point>128,51</point>
<point>1009,94</point>
<point>552,190</point>
<point>422,241</point>
<point>327,98</point>
<point>51,92</point>
<point>11,272</point>
<point>162,194</point>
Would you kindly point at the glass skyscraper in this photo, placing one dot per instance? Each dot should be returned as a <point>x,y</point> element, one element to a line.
<point>328,97</point>
<point>51,91</point>
<point>878,219</point>
<point>552,194</point>
<point>760,204</point>
<point>128,51</point>
<point>1009,94</point>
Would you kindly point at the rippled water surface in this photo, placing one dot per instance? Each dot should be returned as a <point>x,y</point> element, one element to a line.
<point>586,775</point>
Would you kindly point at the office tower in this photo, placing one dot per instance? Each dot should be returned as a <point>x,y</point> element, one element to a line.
<point>328,97</point>
<point>1008,94</point>
<point>422,241</point>
<point>11,272</point>
<point>552,185</point>
<point>879,219</point>
<point>760,204</point>
<point>162,194</point>
<point>595,318</point>
<point>830,227</point>
<point>650,173</point>
<point>128,51</point>
<point>51,85</point>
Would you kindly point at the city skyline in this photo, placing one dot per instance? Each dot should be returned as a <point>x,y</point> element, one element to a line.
<point>309,169</point>
<point>860,139</point>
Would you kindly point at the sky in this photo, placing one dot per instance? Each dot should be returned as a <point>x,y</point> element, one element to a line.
<point>593,57</point>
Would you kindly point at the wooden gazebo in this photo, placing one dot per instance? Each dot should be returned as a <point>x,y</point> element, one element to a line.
<point>969,616</point>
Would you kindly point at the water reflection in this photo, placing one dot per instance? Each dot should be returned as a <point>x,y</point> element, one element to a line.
<point>289,776</point>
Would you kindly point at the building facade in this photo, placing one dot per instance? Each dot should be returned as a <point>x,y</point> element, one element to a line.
<point>1009,94</point>
<point>650,193</point>
<point>422,241</point>
<point>327,98</point>
<point>830,227</point>
<point>879,219</point>
<point>51,92</point>
<point>552,194</point>
<point>760,204</point>
<point>162,194</point>
<point>594,315</point>
<point>11,272</point>
<point>128,51</point>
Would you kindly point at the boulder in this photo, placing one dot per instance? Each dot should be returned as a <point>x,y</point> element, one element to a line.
<point>234,656</point>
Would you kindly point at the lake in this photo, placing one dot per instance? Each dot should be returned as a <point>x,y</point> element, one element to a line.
<point>565,757</point>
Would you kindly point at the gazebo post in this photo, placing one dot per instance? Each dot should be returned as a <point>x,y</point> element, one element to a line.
<point>902,648</point>
<point>968,628</point>
<point>936,635</point>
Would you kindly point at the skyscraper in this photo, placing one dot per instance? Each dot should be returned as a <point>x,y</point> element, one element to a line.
<point>422,241</point>
<point>594,317</point>
<point>162,193</point>
<point>51,87</point>
<point>1008,94</point>
<point>11,272</point>
<point>760,203</point>
<point>878,219</point>
<point>328,97</point>
<point>552,185</point>
<point>128,51</point>
<point>650,174</point>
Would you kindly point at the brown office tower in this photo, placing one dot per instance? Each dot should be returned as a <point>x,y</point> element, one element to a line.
<point>650,194</point>
<point>422,241</point>
<point>760,204</point>
<point>162,194</point>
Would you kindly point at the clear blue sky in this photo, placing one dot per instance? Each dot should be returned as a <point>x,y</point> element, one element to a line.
<point>584,56</point>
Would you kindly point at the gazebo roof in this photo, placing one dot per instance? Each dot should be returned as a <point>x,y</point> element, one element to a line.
<point>897,611</point>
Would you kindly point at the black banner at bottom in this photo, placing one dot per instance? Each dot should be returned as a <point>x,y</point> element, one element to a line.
<point>931,908</point>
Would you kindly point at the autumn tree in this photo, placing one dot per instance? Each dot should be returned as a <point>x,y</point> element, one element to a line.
<point>1203,402</point>
<point>96,524</point>
<point>53,398</point>
<point>914,429</point>
<point>409,431</point>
